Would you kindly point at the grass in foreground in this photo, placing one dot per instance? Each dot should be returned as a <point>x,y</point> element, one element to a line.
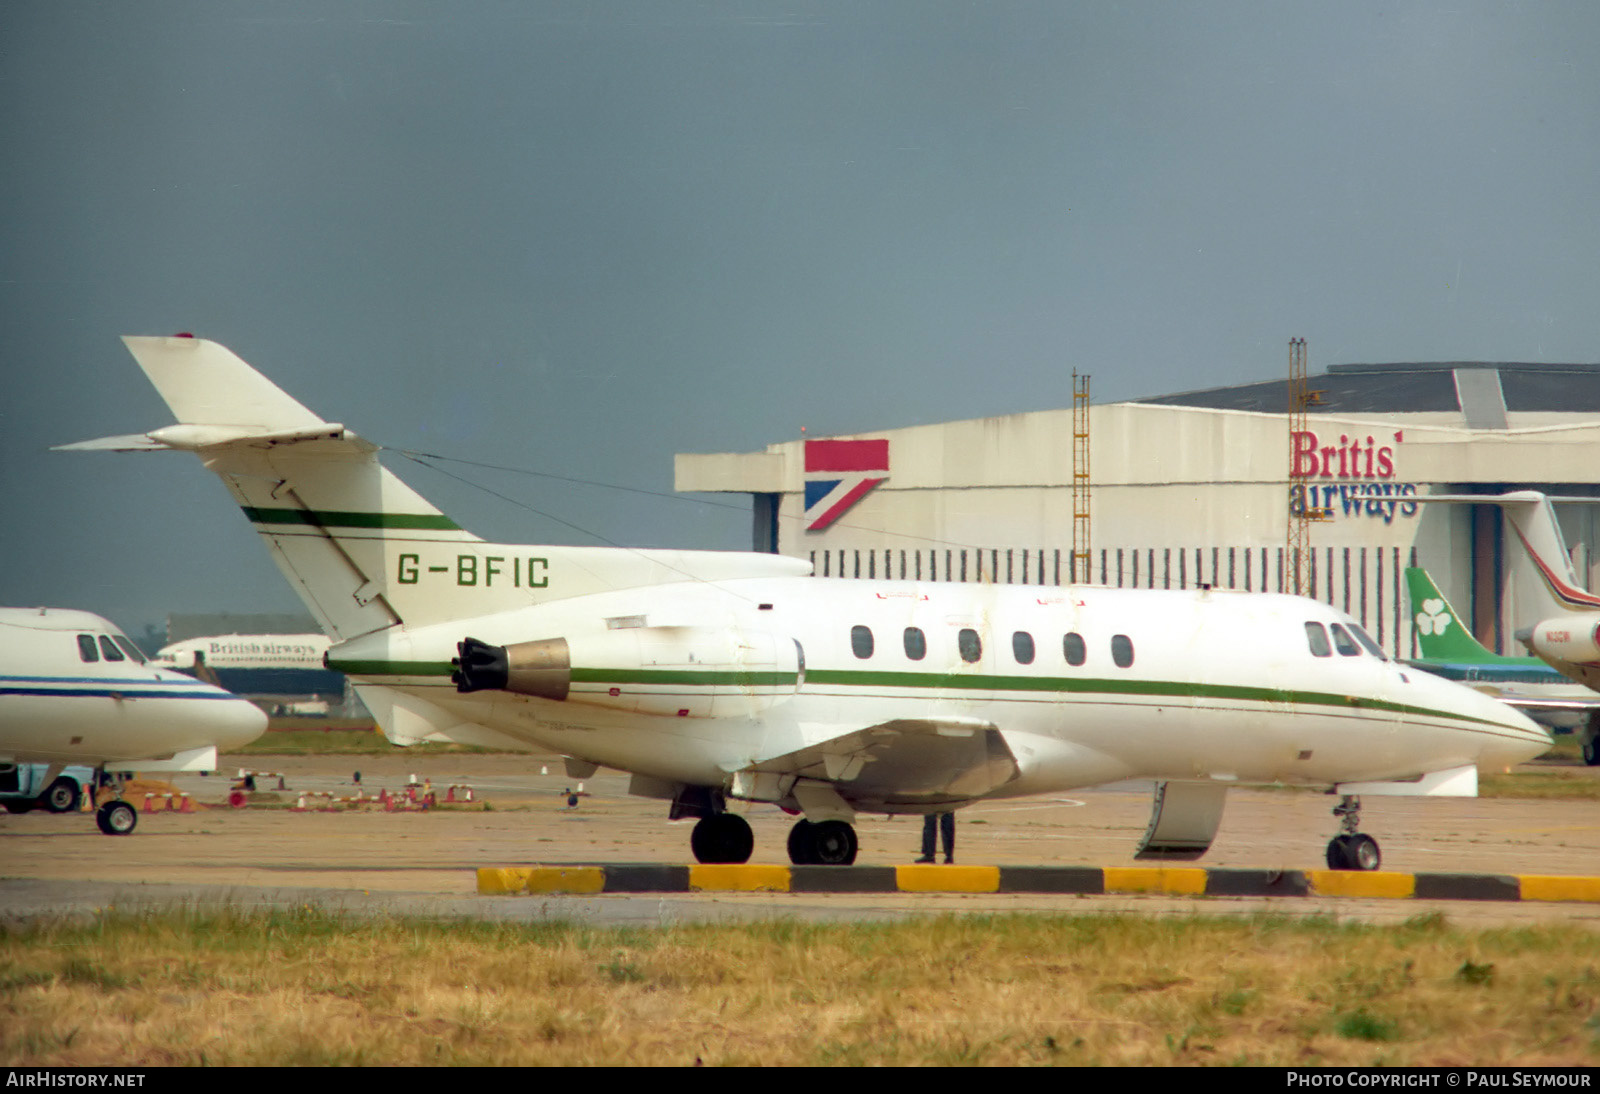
<point>311,988</point>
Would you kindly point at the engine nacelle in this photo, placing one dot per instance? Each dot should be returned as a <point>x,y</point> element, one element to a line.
<point>686,672</point>
<point>1574,638</point>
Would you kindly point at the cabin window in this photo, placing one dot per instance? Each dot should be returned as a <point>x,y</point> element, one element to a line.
<point>134,652</point>
<point>1075,648</point>
<point>970,645</point>
<point>1343,642</point>
<point>1317,639</point>
<point>916,643</point>
<point>1022,647</point>
<point>1121,650</point>
<point>109,648</point>
<point>86,648</point>
<point>861,641</point>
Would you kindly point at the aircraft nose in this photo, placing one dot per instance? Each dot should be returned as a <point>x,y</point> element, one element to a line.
<point>243,722</point>
<point>1542,741</point>
<point>1531,740</point>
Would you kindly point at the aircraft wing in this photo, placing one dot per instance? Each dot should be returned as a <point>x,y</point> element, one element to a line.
<point>936,760</point>
<point>1561,715</point>
<point>1530,704</point>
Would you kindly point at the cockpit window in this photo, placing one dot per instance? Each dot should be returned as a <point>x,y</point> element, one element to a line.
<point>1317,639</point>
<point>1343,642</point>
<point>109,648</point>
<point>1367,643</point>
<point>134,652</point>
<point>86,648</point>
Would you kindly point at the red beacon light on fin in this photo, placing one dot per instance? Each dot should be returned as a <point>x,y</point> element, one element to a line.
<point>183,334</point>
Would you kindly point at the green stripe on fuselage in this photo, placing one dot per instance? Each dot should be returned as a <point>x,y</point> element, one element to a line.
<point>698,677</point>
<point>943,682</point>
<point>326,518</point>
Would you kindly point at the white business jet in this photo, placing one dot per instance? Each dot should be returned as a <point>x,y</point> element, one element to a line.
<point>718,676</point>
<point>75,690</point>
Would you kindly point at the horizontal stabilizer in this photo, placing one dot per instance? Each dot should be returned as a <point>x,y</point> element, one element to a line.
<point>127,442</point>
<point>193,437</point>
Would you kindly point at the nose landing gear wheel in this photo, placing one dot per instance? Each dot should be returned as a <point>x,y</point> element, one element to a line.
<point>1355,852</point>
<point>1350,849</point>
<point>722,838</point>
<point>1363,852</point>
<point>116,818</point>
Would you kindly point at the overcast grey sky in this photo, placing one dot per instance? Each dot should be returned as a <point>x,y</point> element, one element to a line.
<point>581,237</point>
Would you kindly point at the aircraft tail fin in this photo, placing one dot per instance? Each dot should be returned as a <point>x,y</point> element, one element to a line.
<point>1533,519</point>
<point>1441,634</point>
<point>332,517</point>
<point>205,383</point>
<point>364,551</point>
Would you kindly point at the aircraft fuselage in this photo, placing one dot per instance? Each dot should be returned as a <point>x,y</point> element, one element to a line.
<point>695,681</point>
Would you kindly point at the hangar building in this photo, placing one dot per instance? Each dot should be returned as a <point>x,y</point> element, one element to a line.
<point>1195,488</point>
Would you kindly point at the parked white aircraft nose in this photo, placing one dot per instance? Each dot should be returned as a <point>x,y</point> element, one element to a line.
<point>73,689</point>
<point>1496,736</point>
<point>232,722</point>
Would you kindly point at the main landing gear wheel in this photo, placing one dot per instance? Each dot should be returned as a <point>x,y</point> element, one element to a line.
<point>1350,849</point>
<point>824,843</point>
<point>722,837</point>
<point>800,843</point>
<point>1591,751</point>
<point>116,818</point>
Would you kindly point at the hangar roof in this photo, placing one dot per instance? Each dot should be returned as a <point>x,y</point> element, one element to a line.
<point>1416,387</point>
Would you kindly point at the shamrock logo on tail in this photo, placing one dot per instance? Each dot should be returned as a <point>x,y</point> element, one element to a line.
<point>1433,619</point>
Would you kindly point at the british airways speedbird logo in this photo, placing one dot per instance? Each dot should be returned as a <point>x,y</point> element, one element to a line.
<point>838,474</point>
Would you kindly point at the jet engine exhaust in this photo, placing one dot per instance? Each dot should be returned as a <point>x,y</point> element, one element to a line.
<point>542,668</point>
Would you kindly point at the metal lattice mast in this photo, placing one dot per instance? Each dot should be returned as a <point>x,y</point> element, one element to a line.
<point>1302,510</point>
<point>1080,477</point>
